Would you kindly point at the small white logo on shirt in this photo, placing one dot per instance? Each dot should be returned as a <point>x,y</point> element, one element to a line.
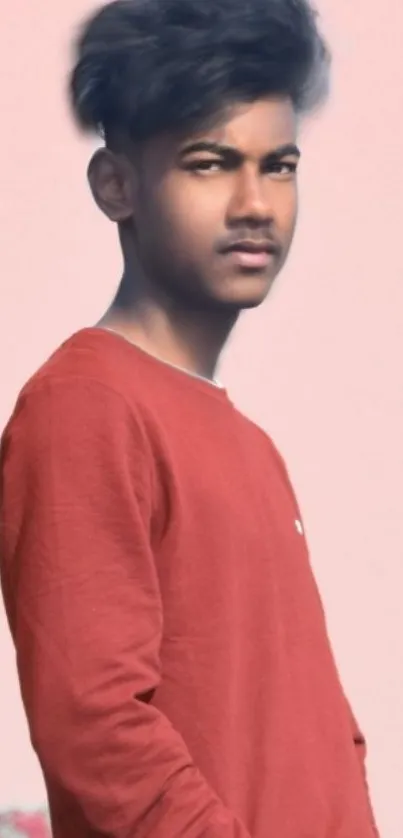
<point>299,527</point>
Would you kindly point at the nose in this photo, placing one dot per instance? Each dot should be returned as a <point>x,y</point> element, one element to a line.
<point>250,199</point>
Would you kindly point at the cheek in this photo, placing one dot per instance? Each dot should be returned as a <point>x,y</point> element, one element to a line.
<point>192,218</point>
<point>287,210</point>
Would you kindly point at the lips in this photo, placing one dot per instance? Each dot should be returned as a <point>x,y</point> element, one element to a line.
<point>254,255</point>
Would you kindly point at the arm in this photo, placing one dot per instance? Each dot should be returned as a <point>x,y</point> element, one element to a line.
<point>361,749</point>
<point>357,736</point>
<point>83,602</point>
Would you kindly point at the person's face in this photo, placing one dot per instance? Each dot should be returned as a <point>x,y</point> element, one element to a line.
<point>213,214</point>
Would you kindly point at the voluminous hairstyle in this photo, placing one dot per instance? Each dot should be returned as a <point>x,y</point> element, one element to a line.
<point>143,67</point>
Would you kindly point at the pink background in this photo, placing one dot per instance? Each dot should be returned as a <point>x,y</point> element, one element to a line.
<point>320,366</point>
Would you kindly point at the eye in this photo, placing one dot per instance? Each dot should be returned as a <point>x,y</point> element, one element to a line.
<point>205,166</point>
<point>282,169</point>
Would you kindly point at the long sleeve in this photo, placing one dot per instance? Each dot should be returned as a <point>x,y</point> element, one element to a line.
<point>359,742</point>
<point>84,606</point>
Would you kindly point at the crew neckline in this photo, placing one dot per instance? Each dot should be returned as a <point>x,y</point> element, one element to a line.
<point>213,388</point>
<point>214,382</point>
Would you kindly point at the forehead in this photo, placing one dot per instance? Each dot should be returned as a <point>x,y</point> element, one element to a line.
<point>255,128</point>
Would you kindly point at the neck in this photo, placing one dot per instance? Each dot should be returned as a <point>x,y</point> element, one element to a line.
<point>190,339</point>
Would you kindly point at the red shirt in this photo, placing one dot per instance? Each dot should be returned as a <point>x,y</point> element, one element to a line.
<point>172,649</point>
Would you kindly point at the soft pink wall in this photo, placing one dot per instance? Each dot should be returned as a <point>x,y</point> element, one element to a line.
<point>319,366</point>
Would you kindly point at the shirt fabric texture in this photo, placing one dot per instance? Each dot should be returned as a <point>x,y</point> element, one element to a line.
<point>172,649</point>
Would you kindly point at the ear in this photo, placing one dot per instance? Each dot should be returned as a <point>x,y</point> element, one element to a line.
<point>111,181</point>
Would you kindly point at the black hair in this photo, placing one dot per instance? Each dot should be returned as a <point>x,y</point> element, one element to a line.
<point>148,66</point>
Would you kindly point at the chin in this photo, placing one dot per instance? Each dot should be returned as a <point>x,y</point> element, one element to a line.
<point>246,292</point>
<point>230,294</point>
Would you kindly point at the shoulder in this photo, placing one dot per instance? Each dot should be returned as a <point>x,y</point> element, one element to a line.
<point>90,358</point>
<point>79,393</point>
<point>91,369</point>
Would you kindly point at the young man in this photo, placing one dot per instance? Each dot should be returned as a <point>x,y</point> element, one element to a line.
<point>172,650</point>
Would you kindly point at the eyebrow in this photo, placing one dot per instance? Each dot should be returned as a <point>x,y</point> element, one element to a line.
<point>286,150</point>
